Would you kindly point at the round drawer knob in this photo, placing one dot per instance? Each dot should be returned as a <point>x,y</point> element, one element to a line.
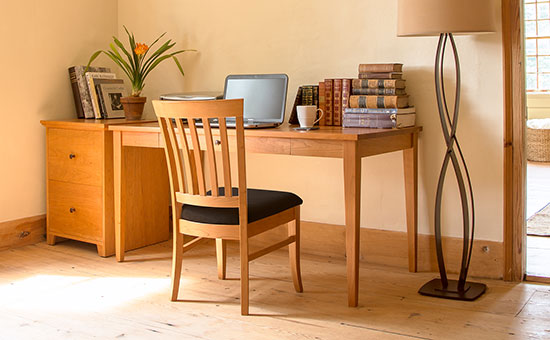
<point>71,156</point>
<point>217,142</point>
<point>72,210</point>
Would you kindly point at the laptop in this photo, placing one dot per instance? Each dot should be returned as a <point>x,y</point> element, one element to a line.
<point>203,95</point>
<point>264,98</point>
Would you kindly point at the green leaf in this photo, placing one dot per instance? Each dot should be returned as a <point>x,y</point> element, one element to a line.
<point>92,58</point>
<point>119,63</point>
<point>153,65</point>
<point>179,65</point>
<point>130,38</point>
<point>165,47</point>
<point>135,58</point>
<point>119,57</point>
<point>121,46</point>
<point>160,59</point>
<point>154,42</point>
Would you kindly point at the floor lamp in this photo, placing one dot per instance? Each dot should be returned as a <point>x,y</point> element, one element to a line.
<point>444,18</point>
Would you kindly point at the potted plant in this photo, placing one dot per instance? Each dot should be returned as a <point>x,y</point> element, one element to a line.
<point>137,65</point>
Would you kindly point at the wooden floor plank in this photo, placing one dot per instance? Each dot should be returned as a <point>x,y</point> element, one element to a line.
<point>538,196</point>
<point>67,291</point>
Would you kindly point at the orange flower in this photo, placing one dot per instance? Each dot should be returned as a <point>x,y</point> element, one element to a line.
<point>140,49</point>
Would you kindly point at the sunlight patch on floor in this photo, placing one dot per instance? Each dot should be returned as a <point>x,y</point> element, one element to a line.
<point>78,294</point>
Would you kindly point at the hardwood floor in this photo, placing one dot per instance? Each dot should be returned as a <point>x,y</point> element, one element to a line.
<point>68,292</point>
<point>538,256</point>
<point>538,187</point>
<point>538,196</point>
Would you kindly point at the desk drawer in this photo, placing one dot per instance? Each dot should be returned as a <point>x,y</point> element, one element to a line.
<point>75,156</point>
<point>75,211</point>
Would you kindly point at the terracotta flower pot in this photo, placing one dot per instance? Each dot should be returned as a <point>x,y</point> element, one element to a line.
<point>133,107</point>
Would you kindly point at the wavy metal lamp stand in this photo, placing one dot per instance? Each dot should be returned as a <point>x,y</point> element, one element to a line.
<point>444,288</point>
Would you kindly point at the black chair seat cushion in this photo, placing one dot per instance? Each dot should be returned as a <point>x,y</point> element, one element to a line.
<point>261,204</point>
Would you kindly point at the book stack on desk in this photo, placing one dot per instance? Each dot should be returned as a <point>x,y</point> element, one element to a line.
<point>378,98</point>
<point>334,97</point>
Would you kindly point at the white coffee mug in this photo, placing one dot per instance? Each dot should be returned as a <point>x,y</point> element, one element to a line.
<point>307,115</point>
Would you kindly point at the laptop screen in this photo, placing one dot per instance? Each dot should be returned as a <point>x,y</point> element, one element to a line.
<point>264,95</point>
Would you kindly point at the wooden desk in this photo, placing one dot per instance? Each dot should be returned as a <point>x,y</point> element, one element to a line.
<point>350,144</point>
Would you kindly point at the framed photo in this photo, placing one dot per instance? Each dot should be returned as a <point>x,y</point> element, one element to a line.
<point>92,78</point>
<point>111,94</point>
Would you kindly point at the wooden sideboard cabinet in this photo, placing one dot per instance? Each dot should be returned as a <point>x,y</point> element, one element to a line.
<point>80,187</point>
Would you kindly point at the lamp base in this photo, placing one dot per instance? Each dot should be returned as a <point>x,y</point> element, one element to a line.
<point>471,290</point>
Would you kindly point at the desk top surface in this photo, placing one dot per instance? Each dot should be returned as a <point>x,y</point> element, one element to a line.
<point>90,124</point>
<point>287,131</point>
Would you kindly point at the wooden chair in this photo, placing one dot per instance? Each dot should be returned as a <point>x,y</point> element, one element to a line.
<point>209,210</point>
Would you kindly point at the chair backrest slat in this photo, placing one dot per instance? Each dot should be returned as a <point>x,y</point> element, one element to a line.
<point>164,124</point>
<point>211,155</point>
<point>225,158</point>
<point>176,153</point>
<point>188,168</point>
<point>198,156</point>
<point>243,206</point>
<point>188,162</point>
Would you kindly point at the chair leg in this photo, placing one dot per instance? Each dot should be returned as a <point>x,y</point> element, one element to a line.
<point>221,256</point>
<point>243,244</point>
<point>294,252</point>
<point>177,256</point>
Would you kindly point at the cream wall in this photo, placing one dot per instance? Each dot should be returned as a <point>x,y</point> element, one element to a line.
<point>314,39</point>
<point>40,40</point>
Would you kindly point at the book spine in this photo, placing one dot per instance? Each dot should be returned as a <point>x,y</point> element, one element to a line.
<point>337,102</point>
<point>346,91</point>
<point>322,104</point>
<point>297,101</point>
<point>316,95</point>
<point>364,123</point>
<point>76,93</point>
<point>101,102</point>
<point>395,67</point>
<point>356,110</point>
<point>94,97</point>
<point>328,101</point>
<point>307,95</point>
<point>377,83</point>
<point>84,92</point>
<point>377,91</point>
<point>380,75</point>
<point>366,115</point>
<point>375,102</point>
<point>384,122</point>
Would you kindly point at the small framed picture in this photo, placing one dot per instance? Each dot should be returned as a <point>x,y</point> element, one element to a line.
<point>111,94</point>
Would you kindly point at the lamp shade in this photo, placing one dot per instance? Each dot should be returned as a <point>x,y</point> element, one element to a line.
<point>433,17</point>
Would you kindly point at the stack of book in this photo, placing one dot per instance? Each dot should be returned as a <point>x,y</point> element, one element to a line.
<point>96,92</point>
<point>334,97</point>
<point>378,98</point>
<point>306,95</point>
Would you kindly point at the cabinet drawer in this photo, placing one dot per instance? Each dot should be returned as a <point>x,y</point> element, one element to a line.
<point>75,210</point>
<point>75,156</point>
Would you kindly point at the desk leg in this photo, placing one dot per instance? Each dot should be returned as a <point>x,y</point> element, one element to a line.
<point>410,168</point>
<point>119,196</point>
<point>352,192</point>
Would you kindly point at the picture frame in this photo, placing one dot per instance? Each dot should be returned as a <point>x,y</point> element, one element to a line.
<point>92,78</point>
<point>110,94</point>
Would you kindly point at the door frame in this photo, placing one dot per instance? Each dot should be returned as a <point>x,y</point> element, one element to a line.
<point>514,140</point>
